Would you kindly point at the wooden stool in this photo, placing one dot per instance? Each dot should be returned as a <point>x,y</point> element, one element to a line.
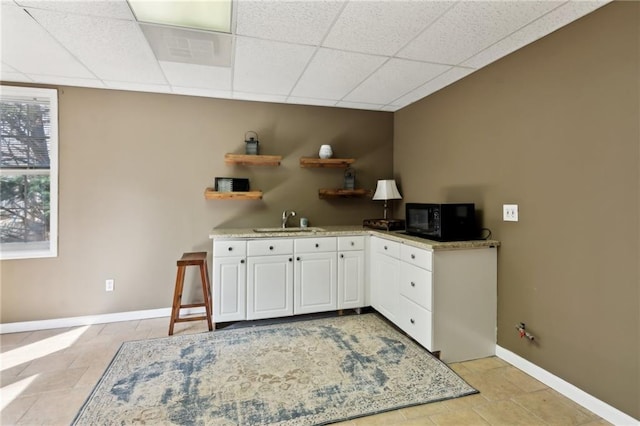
<point>191,259</point>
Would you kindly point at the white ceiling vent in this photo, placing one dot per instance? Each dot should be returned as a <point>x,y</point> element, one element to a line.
<point>189,46</point>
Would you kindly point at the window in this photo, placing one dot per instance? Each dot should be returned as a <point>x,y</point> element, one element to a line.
<point>28,172</point>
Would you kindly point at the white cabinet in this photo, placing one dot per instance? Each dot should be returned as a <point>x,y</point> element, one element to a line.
<point>315,277</point>
<point>229,270</point>
<point>385,266</point>
<point>269,278</point>
<point>351,272</point>
<point>446,300</point>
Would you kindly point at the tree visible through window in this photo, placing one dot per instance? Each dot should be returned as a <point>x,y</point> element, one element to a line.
<point>28,172</point>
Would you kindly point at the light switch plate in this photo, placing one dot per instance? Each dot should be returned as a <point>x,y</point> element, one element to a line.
<point>510,212</point>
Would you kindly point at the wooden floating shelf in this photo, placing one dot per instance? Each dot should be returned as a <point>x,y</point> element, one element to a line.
<point>329,163</point>
<point>253,160</point>
<point>210,194</point>
<point>344,193</point>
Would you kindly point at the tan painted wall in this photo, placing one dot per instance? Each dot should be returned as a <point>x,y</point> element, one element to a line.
<point>554,128</point>
<point>133,169</point>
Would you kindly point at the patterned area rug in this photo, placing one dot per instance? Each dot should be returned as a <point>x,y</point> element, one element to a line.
<point>298,373</point>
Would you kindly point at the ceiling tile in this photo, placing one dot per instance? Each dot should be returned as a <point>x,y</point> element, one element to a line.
<point>113,49</point>
<point>118,9</point>
<point>8,73</point>
<point>268,67</point>
<point>207,93</point>
<point>548,23</point>
<point>202,76</point>
<point>259,97</point>
<point>332,74</point>
<point>67,81</point>
<point>472,26</point>
<point>139,87</point>
<point>358,105</point>
<point>29,49</point>
<point>310,101</point>
<point>304,22</point>
<point>441,81</point>
<point>384,86</point>
<point>382,27</point>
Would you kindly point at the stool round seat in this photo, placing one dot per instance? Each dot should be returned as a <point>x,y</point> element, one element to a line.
<point>191,259</point>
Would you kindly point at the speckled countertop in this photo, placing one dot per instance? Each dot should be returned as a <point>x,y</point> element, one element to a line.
<point>332,231</point>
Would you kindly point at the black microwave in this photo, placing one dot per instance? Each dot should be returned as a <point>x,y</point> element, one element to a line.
<point>442,222</point>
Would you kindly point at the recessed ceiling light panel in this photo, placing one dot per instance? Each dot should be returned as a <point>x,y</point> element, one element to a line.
<point>203,15</point>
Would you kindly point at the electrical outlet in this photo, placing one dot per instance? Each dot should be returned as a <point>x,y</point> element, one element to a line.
<point>510,212</point>
<point>108,285</point>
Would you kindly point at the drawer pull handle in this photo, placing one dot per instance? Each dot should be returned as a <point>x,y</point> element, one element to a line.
<point>317,245</point>
<point>412,321</point>
<point>413,284</point>
<point>352,243</point>
<point>270,247</point>
<point>230,248</point>
<point>413,256</point>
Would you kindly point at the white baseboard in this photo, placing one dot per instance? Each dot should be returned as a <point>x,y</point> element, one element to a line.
<point>18,327</point>
<point>602,409</point>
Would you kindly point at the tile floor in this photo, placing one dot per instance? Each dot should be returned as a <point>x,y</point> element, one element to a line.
<point>47,375</point>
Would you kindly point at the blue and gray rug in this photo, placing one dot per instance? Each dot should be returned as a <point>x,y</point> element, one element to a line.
<point>299,373</point>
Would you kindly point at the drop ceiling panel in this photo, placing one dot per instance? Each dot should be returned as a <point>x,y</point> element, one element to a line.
<point>396,23</point>
<point>546,24</point>
<point>310,101</point>
<point>358,105</point>
<point>267,67</point>
<point>117,9</point>
<point>190,91</point>
<point>68,81</point>
<point>29,49</point>
<point>432,86</point>
<point>197,76</point>
<point>260,98</point>
<point>469,27</point>
<point>303,22</point>
<point>113,49</point>
<point>138,87</point>
<point>384,85</point>
<point>332,74</point>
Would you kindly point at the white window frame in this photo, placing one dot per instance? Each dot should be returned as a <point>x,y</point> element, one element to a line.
<point>49,248</point>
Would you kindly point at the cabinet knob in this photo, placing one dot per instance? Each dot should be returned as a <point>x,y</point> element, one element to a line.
<point>385,247</point>
<point>270,247</point>
<point>298,258</point>
<point>242,261</point>
<point>230,249</point>
<point>412,321</point>
<point>413,256</point>
<point>341,256</point>
<point>352,243</point>
<point>317,245</point>
<point>290,260</point>
<point>413,284</point>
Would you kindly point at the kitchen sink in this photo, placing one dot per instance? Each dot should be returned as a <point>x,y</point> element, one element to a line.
<point>292,229</point>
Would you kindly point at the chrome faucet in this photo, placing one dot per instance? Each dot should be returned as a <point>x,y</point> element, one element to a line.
<point>285,217</point>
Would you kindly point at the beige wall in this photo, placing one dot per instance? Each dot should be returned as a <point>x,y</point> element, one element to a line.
<point>554,128</point>
<point>133,169</point>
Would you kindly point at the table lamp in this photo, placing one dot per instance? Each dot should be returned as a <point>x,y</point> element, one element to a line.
<point>386,190</point>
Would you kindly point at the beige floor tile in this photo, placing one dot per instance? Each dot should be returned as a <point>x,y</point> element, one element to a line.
<point>508,413</point>
<point>466,417</point>
<point>53,362</point>
<point>418,421</point>
<point>424,410</point>
<point>121,327</point>
<point>10,339</point>
<point>55,381</point>
<point>15,409</point>
<point>37,336</point>
<point>492,385</point>
<point>464,402</point>
<point>90,355</point>
<point>522,380</point>
<point>55,408</point>
<point>484,364</point>
<point>382,419</point>
<point>554,408</point>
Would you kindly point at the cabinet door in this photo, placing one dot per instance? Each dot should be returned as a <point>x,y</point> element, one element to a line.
<point>229,289</point>
<point>315,283</point>
<point>351,279</point>
<point>385,292</point>
<point>269,286</point>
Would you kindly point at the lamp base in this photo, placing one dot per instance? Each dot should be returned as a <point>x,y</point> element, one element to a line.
<point>384,224</point>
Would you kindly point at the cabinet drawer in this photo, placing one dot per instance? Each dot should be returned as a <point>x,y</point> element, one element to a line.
<point>225,248</point>
<point>313,245</point>
<point>416,256</point>
<point>415,285</point>
<point>269,247</point>
<point>350,243</point>
<point>390,248</point>
<point>417,322</point>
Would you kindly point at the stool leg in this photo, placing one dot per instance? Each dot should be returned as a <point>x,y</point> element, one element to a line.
<point>177,298</point>
<point>206,290</point>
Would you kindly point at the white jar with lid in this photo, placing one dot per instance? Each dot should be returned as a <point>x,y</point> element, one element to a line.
<point>325,151</point>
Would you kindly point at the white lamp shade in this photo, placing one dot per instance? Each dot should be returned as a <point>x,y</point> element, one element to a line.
<point>387,190</point>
